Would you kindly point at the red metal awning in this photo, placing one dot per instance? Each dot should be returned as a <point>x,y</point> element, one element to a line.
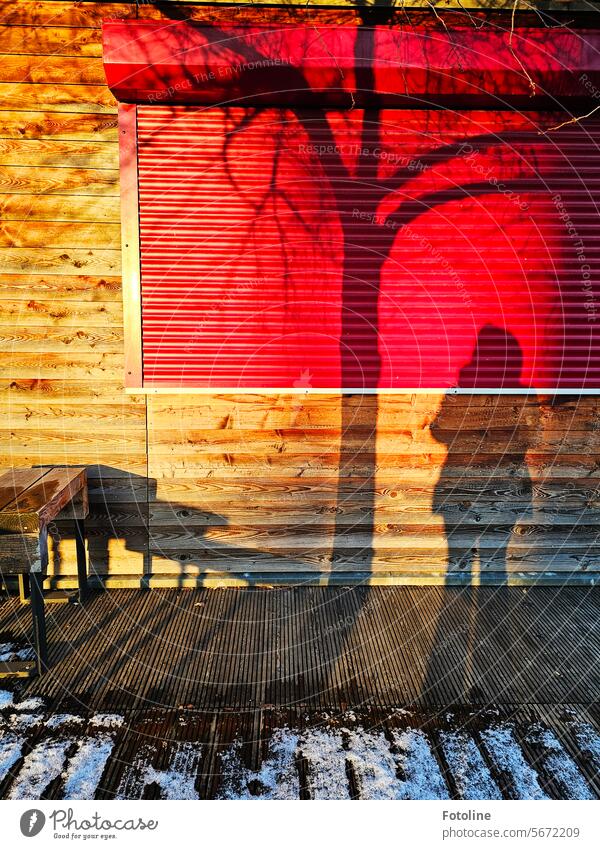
<point>344,66</point>
<point>329,240</point>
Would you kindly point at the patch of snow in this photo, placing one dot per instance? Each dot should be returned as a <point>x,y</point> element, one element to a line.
<point>277,777</point>
<point>11,747</point>
<point>175,782</point>
<point>588,741</point>
<point>9,652</point>
<point>133,779</point>
<point>60,719</point>
<point>41,766</point>
<point>178,782</point>
<point>106,720</point>
<point>327,752</point>
<point>84,770</point>
<point>25,720</point>
<point>33,703</point>
<point>422,777</point>
<point>6,699</point>
<point>326,764</point>
<point>473,778</point>
<point>503,749</point>
<point>374,765</point>
<point>558,764</point>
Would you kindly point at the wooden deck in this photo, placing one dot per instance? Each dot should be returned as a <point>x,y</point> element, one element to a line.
<point>309,693</point>
<point>318,648</point>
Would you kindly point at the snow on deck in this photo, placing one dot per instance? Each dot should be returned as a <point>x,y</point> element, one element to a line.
<point>401,755</point>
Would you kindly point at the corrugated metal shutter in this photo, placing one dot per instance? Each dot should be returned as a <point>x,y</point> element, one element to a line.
<point>394,249</point>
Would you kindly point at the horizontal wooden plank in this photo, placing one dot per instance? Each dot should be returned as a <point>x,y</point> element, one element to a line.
<point>197,445</point>
<point>464,541</point>
<point>92,443</point>
<point>66,13</point>
<point>69,390</point>
<point>58,125</point>
<point>57,98</point>
<point>58,153</point>
<point>273,541</point>
<point>122,463</point>
<point>115,518</point>
<point>60,261</point>
<point>481,498</point>
<point>64,181</point>
<point>51,40</point>
<point>228,559</point>
<point>109,485</point>
<point>40,417</point>
<point>81,288</point>
<point>172,467</point>
<point>51,69</point>
<point>98,365</point>
<point>255,412</point>
<point>478,436</point>
<point>386,518</point>
<point>52,234</point>
<point>415,468</point>
<point>19,553</point>
<point>48,339</point>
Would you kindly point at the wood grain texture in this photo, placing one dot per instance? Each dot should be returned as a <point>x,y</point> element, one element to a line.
<point>36,153</point>
<point>64,13</point>
<point>58,98</point>
<point>400,488</point>
<point>65,181</point>
<point>60,287</point>
<point>24,234</point>
<point>50,40</point>
<point>40,124</point>
<point>54,340</point>
<point>60,261</point>
<point>51,69</point>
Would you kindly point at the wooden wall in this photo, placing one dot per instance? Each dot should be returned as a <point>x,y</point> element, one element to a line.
<point>240,487</point>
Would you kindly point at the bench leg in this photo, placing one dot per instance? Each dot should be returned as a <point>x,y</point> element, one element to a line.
<point>82,571</point>
<point>39,621</point>
<point>24,588</point>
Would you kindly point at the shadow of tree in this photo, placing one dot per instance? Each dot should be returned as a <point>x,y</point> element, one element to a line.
<point>390,202</point>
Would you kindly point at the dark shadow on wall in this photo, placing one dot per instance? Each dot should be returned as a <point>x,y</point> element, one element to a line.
<point>487,439</point>
<point>483,491</point>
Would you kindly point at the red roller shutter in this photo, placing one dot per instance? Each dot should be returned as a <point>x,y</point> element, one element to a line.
<point>367,249</point>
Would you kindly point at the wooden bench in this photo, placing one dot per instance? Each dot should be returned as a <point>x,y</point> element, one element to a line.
<point>30,500</point>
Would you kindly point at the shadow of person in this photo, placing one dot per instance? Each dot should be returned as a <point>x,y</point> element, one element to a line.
<point>483,491</point>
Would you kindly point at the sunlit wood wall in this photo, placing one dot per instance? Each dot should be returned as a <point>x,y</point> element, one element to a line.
<point>269,488</point>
